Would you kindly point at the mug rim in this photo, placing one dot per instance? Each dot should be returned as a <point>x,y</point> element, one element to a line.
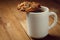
<point>46,9</point>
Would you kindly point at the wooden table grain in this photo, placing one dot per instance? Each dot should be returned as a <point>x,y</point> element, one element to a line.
<point>13,22</point>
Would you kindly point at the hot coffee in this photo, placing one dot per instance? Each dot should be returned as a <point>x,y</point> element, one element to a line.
<point>38,10</point>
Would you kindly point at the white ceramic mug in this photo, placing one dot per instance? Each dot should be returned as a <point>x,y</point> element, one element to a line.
<point>38,23</point>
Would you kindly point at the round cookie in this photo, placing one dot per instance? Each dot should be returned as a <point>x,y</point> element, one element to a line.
<point>28,6</point>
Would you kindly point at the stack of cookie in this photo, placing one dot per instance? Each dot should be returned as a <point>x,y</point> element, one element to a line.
<point>29,6</point>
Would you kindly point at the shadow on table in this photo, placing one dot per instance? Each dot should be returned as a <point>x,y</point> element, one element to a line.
<point>48,37</point>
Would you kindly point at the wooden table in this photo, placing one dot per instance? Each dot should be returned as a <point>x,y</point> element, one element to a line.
<point>13,22</point>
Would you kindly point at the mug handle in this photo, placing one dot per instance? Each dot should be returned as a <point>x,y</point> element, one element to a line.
<point>54,15</point>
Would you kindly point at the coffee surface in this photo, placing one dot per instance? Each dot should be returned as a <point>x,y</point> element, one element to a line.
<point>37,10</point>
